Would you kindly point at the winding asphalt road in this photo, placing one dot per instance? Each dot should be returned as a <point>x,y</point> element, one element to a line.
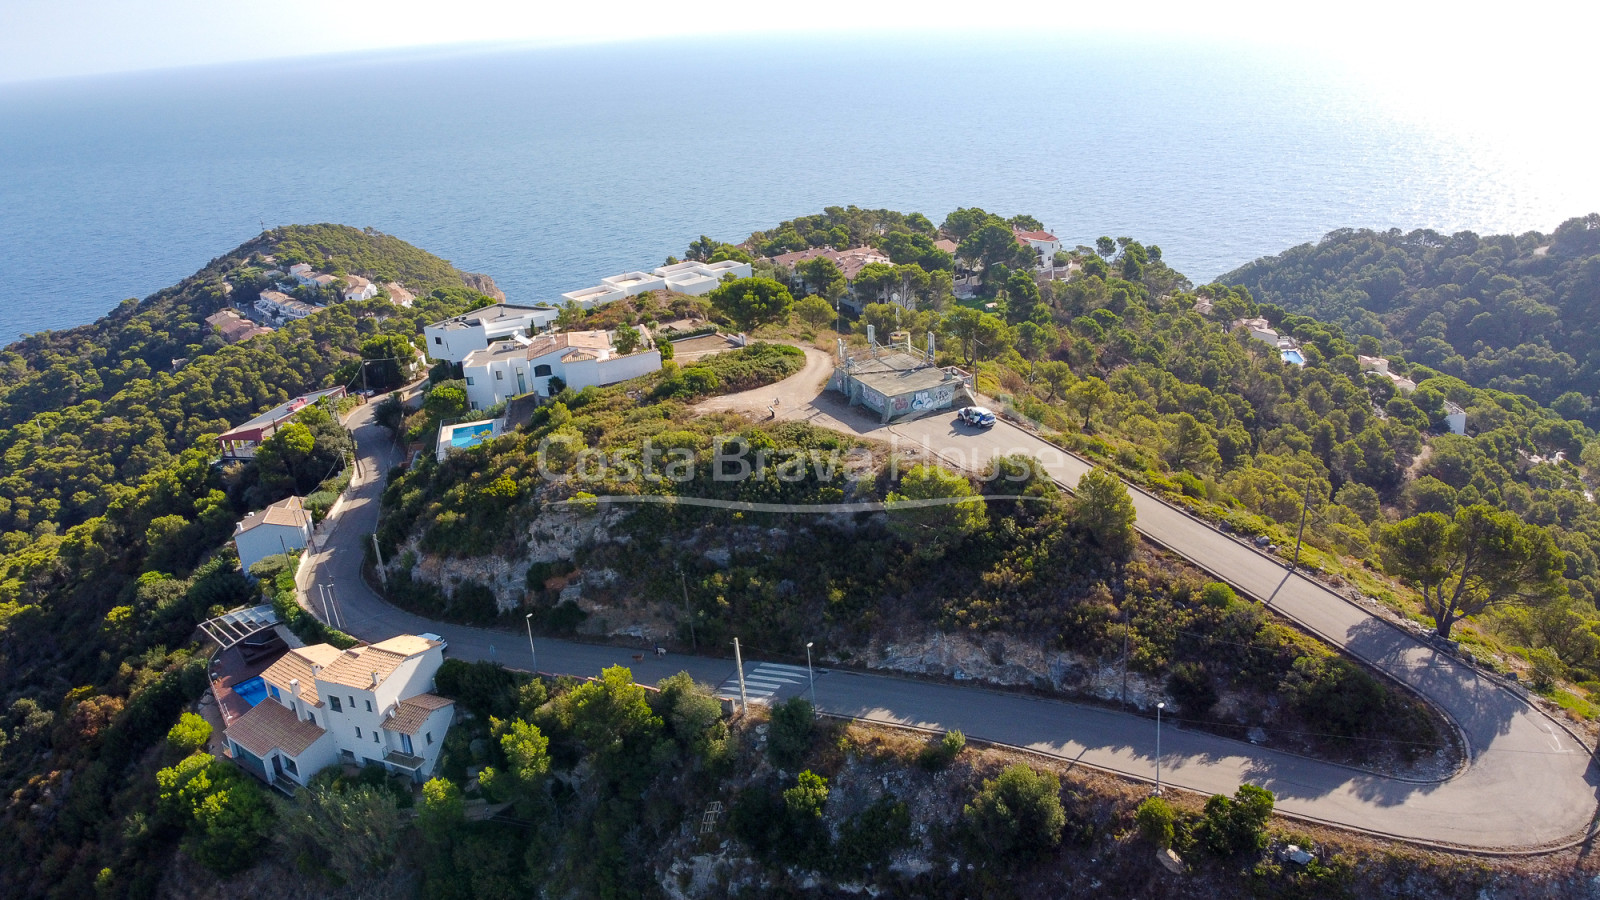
<point>1527,784</point>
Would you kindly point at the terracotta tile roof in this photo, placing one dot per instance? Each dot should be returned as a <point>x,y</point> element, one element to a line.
<point>288,511</point>
<point>946,245</point>
<point>272,726</point>
<point>355,667</point>
<point>850,262</point>
<point>412,713</point>
<point>550,343</point>
<point>1034,235</point>
<point>301,663</point>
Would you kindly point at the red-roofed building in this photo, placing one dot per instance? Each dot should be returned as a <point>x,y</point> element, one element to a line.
<point>1042,242</point>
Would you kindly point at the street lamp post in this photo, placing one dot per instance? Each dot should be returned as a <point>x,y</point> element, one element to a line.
<point>529,619</point>
<point>812,677</point>
<point>1159,708</point>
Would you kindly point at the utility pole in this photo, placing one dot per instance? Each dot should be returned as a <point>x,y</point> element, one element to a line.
<point>375,551</point>
<point>683,581</point>
<point>534,653</point>
<point>1305,507</point>
<point>738,662</point>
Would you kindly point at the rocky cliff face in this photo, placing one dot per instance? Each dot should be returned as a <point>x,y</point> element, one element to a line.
<point>483,284</point>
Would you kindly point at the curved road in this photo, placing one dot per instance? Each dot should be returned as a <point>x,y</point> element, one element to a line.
<point>1527,784</point>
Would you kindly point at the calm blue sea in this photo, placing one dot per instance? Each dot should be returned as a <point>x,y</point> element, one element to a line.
<point>550,168</point>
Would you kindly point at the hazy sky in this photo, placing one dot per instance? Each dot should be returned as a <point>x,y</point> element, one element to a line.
<point>1391,38</point>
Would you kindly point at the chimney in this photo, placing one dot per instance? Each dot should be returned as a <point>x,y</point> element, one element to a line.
<point>315,670</point>
<point>374,677</point>
<point>294,686</point>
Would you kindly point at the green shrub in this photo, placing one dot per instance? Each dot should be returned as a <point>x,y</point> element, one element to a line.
<point>189,735</point>
<point>938,754</point>
<point>1017,815</point>
<point>1218,595</point>
<point>867,838</point>
<point>1238,825</point>
<point>1155,819</point>
<point>1191,687</point>
<point>789,732</point>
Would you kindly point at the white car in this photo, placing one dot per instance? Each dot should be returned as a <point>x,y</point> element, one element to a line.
<point>976,415</point>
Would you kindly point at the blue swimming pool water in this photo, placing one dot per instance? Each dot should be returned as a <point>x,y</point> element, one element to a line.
<point>470,435</point>
<point>253,691</point>
<point>1293,356</point>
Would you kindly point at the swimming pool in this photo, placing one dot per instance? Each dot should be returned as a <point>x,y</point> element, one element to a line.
<point>1293,356</point>
<point>253,691</point>
<point>470,435</point>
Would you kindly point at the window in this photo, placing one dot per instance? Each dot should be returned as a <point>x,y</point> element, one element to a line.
<point>469,380</point>
<point>438,340</point>
<point>541,371</point>
<point>289,764</point>
<point>334,701</point>
<point>369,706</point>
<point>274,689</point>
<point>499,375</point>
<point>374,737</point>
<point>352,703</point>
<point>358,732</point>
<point>405,743</point>
<point>429,736</point>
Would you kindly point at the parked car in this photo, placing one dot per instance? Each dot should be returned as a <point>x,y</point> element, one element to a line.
<point>430,636</point>
<point>976,415</point>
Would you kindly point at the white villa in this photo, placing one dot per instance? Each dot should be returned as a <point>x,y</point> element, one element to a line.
<point>1377,365</point>
<point>281,527</point>
<point>365,705</point>
<point>1260,329</point>
<point>282,308</point>
<point>454,339</point>
<point>1455,418</point>
<point>1041,242</point>
<point>357,288</point>
<point>579,358</point>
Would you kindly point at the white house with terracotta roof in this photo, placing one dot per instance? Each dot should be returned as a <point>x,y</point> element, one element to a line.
<point>281,527</point>
<point>365,705</point>
<point>281,308</point>
<point>357,288</point>
<point>302,272</point>
<point>1041,242</point>
<point>579,358</point>
<point>459,336</point>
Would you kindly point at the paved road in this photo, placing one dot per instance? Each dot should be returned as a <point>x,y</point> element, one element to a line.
<point>1527,784</point>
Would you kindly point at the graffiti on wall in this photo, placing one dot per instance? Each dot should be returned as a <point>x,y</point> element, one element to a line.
<point>937,398</point>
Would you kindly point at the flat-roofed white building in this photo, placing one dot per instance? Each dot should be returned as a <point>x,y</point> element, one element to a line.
<point>579,358</point>
<point>727,267</point>
<point>590,297</point>
<point>455,338</point>
<point>696,283</point>
<point>630,283</point>
<point>365,705</point>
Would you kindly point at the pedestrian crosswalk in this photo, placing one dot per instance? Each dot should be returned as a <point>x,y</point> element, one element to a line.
<point>764,681</point>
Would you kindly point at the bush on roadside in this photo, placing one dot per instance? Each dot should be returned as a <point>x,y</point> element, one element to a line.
<point>1237,825</point>
<point>1017,815</point>
<point>1155,819</point>
<point>789,732</point>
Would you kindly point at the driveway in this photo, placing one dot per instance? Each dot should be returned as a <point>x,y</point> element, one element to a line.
<point>1527,784</point>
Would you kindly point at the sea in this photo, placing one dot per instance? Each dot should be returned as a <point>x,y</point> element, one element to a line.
<point>550,168</point>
